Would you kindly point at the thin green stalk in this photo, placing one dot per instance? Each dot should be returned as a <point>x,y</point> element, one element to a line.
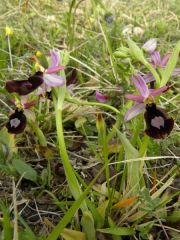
<point>10,54</point>
<point>154,73</point>
<point>87,220</point>
<point>108,44</point>
<point>70,175</point>
<point>70,213</point>
<point>39,134</point>
<point>70,23</point>
<point>102,139</point>
<point>81,102</point>
<point>115,126</point>
<point>15,236</point>
<point>144,146</point>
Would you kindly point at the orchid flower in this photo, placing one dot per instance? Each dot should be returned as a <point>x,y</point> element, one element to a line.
<point>101,97</point>
<point>146,96</point>
<point>24,87</point>
<point>17,122</point>
<point>158,62</point>
<point>50,78</point>
<point>24,103</point>
<point>18,119</point>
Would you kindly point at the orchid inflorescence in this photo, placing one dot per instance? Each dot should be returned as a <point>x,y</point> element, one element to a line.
<point>158,124</point>
<point>43,81</point>
<point>157,121</point>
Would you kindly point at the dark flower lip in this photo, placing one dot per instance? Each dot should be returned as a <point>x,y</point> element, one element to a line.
<point>72,77</point>
<point>22,87</point>
<point>49,95</point>
<point>17,122</point>
<point>25,87</point>
<point>159,125</point>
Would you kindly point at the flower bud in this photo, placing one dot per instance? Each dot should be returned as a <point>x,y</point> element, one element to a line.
<point>150,45</point>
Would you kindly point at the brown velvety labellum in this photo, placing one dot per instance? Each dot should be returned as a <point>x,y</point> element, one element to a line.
<point>22,87</point>
<point>159,125</point>
<point>17,122</point>
<point>25,87</point>
<point>36,80</point>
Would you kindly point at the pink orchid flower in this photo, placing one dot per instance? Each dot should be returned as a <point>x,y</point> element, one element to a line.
<point>146,95</point>
<point>101,97</point>
<point>50,78</point>
<point>18,119</point>
<point>158,62</point>
<point>24,102</point>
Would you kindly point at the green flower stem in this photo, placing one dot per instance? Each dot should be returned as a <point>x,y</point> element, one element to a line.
<point>39,134</point>
<point>154,73</point>
<point>115,126</point>
<point>70,213</point>
<point>81,102</point>
<point>10,54</point>
<point>70,175</point>
<point>144,146</point>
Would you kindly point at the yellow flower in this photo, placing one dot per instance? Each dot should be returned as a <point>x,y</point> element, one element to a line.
<point>38,53</point>
<point>9,31</point>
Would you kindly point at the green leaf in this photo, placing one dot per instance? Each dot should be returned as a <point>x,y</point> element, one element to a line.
<point>130,151</point>
<point>166,73</point>
<point>58,229</point>
<point>133,168</point>
<point>80,121</point>
<point>136,52</point>
<point>119,231</point>
<point>145,228</point>
<point>7,144</point>
<point>87,223</point>
<point>24,169</point>
<point>7,227</point>
<point>69,234</point>
<point>174,217</point>
<point>64,57</point>
<point>122,52</point>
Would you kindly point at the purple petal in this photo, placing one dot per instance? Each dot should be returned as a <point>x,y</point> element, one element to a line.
<point>135,98</point>
<point>140,84</point>
<point>55,59</point>
<point>150,45</point>
<point>156,58</point>
<point>155,92</point>
<point>54,69</point>
<point>53,80</point>
<point>30,104</point>
<point>165,59</point>
<point>148,77</point>
<point>134,111</point>
<point>176,72</point>
<point>101,97</point>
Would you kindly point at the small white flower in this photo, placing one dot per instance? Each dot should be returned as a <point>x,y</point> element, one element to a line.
<point>51,18</point>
